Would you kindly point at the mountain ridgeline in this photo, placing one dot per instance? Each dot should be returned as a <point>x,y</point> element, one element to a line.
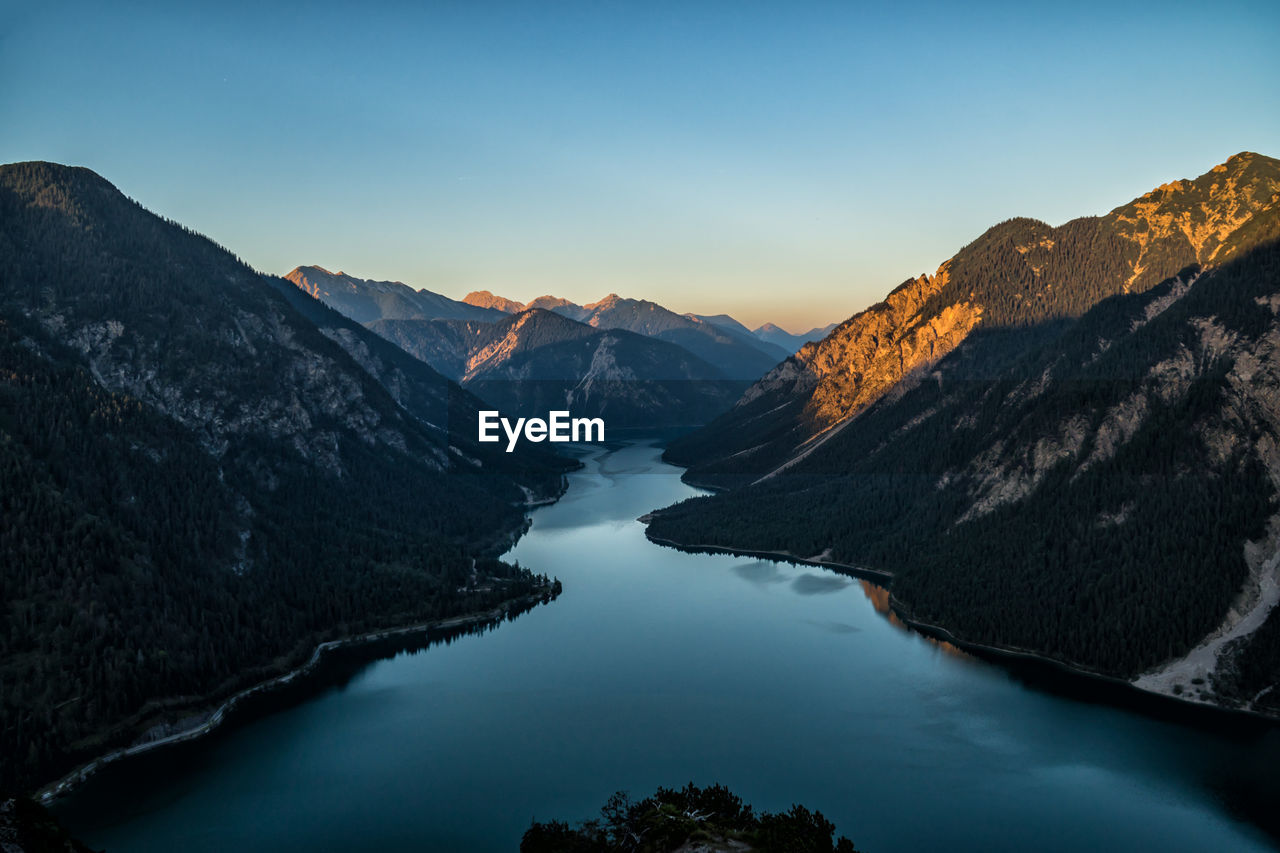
<point>650,318</point>
<point>632,362</point>
<point>365,300</point>
<point>206,473</point>
<point>1064,441</point>
<point>1020,274</point>
<point>726,344</point>
<point>787,341</point>
<point>538,361</point>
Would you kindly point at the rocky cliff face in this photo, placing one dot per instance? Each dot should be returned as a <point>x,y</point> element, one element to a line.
<point>316,395</point>
<point>870,353</point>
<point>214,349</point>
<point>1022,273</point>
<point>1196,216</point>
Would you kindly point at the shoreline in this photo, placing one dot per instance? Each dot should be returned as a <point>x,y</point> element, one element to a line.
<point>863,572</point>
<point>214,719</point>
<point>1120,685</point>
<point>1132,691</point>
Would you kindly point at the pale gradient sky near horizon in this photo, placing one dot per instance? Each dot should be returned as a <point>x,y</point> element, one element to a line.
<point>780,163</point>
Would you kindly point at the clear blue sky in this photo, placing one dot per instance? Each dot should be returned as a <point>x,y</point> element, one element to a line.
<point>786,164</point>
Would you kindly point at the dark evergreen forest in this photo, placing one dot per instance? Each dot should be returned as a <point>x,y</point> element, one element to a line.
<point>688,818</point>
<point>151,562</point>
<point>1111,558</point>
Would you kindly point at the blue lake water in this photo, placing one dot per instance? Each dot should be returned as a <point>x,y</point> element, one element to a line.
<point>655,667</point>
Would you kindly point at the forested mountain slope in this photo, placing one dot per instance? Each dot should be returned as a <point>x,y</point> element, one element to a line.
<point>200,483</point>
<point>1100,490</point>
<point>1019,274</point>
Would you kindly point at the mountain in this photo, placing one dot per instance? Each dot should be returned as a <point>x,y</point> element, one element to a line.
<point>717,339</point>
<point>538,361</point>
<point>791,343</point>
<point>206,472</point>
<point>1019,274</point>
<point>562,307</point>
<point>688,371</point>
<point>365,301</point>
<point>736,358</point>
<point>723,322</point>
<point>485,299</point>
<point>740,333</point>
<point>1063,442</point>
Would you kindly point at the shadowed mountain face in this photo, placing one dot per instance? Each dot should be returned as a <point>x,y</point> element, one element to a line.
<point>1051,451</point>
<point>365,301</point>
<point>1019,274</point>
<point>206,472</point>
<point>740,333</point>
<point>537,361</point>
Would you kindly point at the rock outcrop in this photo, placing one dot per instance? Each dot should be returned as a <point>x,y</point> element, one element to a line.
<point>1022,273</point>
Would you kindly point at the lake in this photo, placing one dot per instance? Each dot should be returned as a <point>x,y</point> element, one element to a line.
<point>786,682</point>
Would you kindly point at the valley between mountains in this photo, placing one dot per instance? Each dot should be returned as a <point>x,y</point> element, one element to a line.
<point>1063,441</point>
<point>208,472</point>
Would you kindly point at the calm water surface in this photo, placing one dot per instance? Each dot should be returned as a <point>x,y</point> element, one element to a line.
<point>657,667</point>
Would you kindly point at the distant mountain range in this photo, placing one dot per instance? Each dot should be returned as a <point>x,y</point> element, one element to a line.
<point>365,300</point>
<point>636,361</point>
<point>1065,441</point>
<point>206,472</point>
<point>615,312</point>
<point>537,360</point>
<point>787,341</point>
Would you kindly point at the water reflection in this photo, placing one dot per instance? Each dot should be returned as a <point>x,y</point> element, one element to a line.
<point>833,626</point>
<point>811,584</point>
<point>760,572</point>
<point>658,666</point>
